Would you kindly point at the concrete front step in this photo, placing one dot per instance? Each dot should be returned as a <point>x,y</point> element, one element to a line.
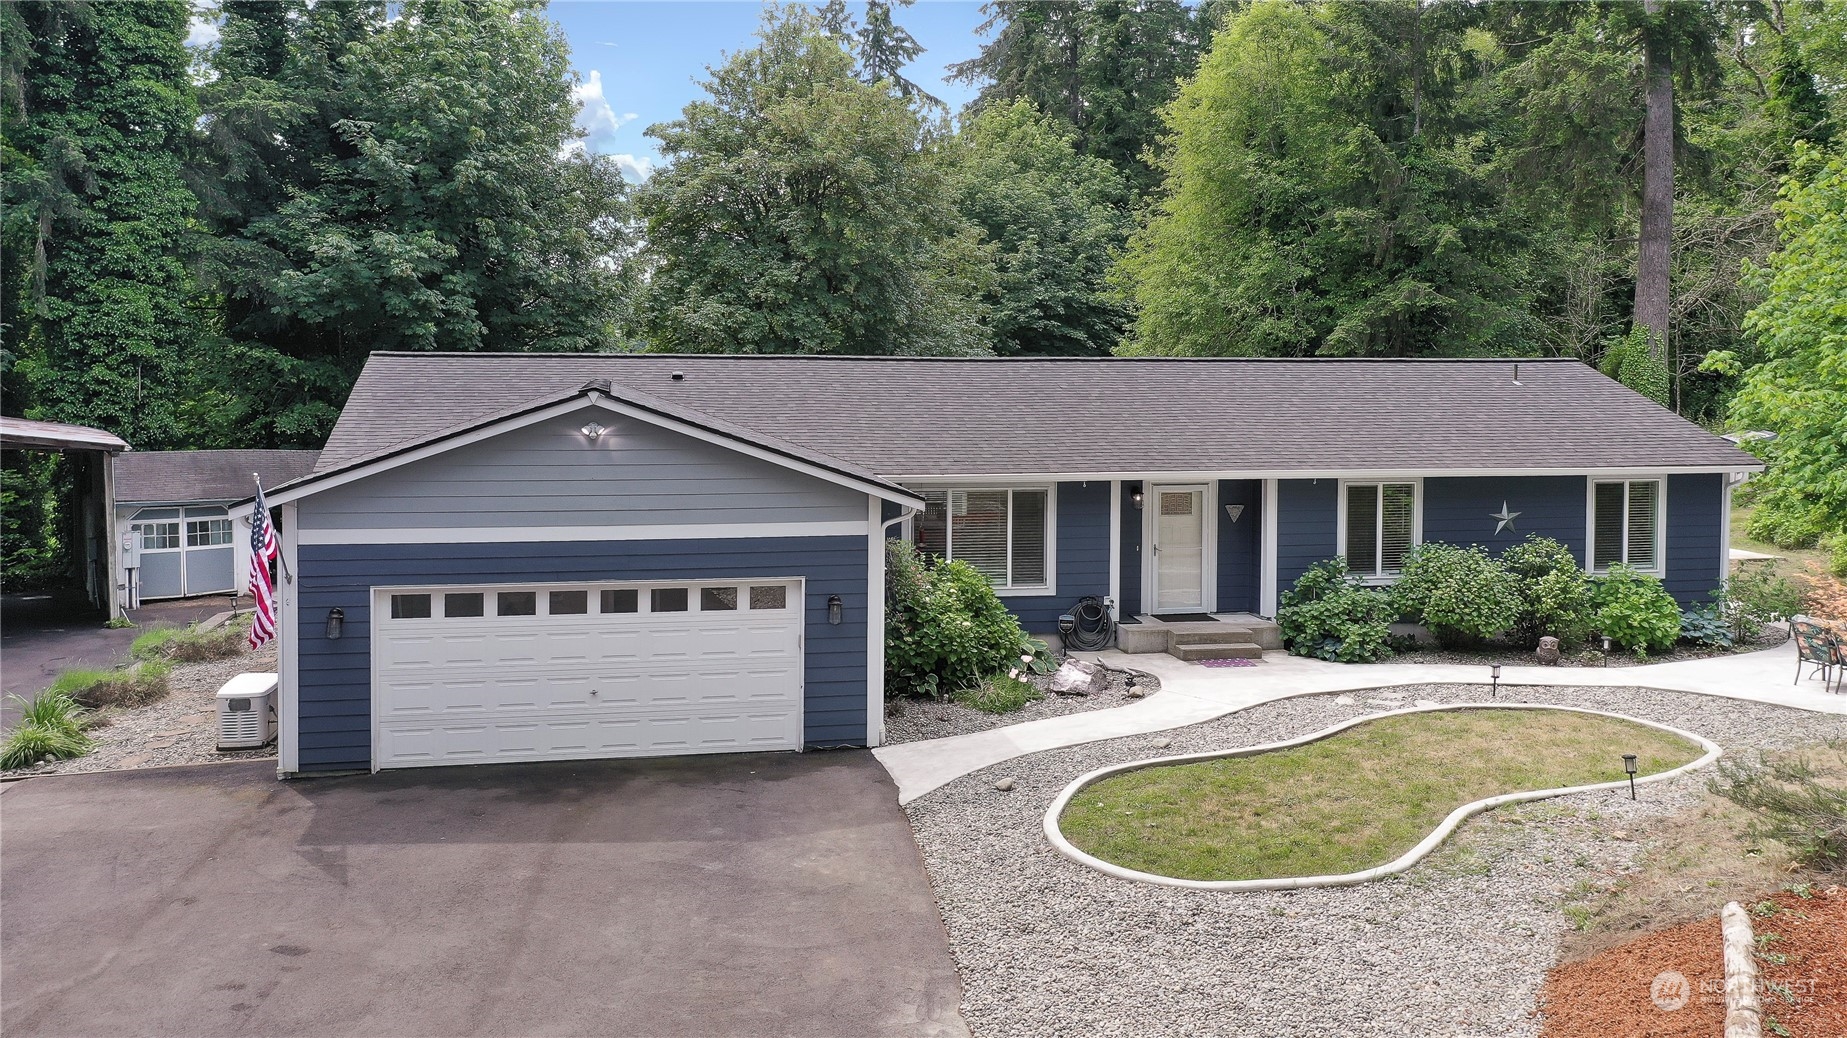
<point>1218,635</point>
<point>1218,651</point>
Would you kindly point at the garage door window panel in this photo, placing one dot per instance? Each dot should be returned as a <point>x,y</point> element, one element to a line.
<point>621,600</point>
<point>464,604</point>
<point>718,599</point>
<point>568,603</point>
<point>516,603</point>
<point>667,600</point>
<point>773,596</point>
<point>410,607</point>
<point>160,536</point>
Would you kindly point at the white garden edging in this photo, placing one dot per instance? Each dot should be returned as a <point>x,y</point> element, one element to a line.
<point>1408,859</point>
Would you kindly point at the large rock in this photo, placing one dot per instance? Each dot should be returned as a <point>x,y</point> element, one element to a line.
<point>1074,678</point>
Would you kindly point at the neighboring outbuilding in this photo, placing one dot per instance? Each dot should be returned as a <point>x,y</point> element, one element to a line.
<point>92,454</point>
<point>512,557</point>
<point>172,523</point>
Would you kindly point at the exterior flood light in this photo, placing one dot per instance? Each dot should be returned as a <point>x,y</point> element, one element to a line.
<point>1135,494</point>
<point>834,610</point>
<point>336,623</point>
<point>1629,769</point>
<point>594,432</point>
<point>1494,673</point>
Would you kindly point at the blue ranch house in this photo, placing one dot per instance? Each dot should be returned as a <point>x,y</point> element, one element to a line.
<point>511,557</point>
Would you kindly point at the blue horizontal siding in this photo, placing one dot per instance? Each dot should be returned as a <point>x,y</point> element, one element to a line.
<point>334,719</point>
<point>1307,526</point>
<point>1457,510</point>
<point>1082,565</point>
<point>1696,518</point>
<point>1238,563</point>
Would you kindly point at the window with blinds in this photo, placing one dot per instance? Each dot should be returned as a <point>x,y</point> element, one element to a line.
<point>1381,523</point>
<point>1003,532</point>
<point>1625,525</point>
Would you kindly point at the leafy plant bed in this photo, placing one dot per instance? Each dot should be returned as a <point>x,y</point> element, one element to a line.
<point>179,729</point>
<point>1355,800</point>
<point>914,720</point>
<point>1801,960</point>
<point>1508,657</point>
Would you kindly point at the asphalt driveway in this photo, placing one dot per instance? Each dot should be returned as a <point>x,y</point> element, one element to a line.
<point>761,894</point>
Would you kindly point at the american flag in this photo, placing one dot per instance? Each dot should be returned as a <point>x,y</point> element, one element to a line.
<point>263,548</point>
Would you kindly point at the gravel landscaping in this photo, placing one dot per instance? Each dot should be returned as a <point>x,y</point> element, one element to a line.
<point>1458,946</point>
<point>180,729</point>
<point>914,720</point>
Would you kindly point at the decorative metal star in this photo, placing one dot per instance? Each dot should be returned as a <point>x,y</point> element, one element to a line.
<point>1506,518</point>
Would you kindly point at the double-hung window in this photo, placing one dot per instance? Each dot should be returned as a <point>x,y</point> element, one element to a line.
<point>1004,532</point>
<point>1625,524</point>
<point>1380,520</point>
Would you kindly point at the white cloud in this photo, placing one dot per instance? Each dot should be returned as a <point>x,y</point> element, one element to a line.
<point>594,116</point>
<point>638,167</point>
<point>204,31</point>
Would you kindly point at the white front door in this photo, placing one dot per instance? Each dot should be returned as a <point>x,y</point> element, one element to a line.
<point>1179,537</point>
<point>469,675</point>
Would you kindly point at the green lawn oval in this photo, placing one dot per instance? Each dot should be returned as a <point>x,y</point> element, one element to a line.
<point>1352,801</point>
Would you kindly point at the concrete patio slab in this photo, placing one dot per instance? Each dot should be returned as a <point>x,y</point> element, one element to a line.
<point>1191,693</point>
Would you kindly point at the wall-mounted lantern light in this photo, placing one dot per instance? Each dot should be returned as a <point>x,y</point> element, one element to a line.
<point>834,610</point>
<point>1135,494</point>
<point>1629,769</point>
<point>593,432</point>
<point>336,623</point>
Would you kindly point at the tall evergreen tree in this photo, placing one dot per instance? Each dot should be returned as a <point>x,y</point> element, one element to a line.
<point>798,213</point>
<point>880,46</point>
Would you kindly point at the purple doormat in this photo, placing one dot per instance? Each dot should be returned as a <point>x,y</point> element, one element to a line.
<point>1227,663</point>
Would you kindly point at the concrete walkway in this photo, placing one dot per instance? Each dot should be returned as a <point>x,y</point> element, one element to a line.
<point>1191,693</point>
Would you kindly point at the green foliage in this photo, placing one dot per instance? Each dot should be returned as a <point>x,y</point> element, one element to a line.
<point>1329,614</point>
<point>97,301</point>
<point>1797,391</point>
<point>1554,593</point>
<point>134,686</point>
<point>1460,594</point>
<point>1635,611</point>
<point>1794,802</point>
<point>51,726</point>
<point>945,629</point>
<point>1755,596</point>
<point>32,554</point>
<point>1103,69</point>
<point>1051,219</point>
<point>999,694</point>
<point>1629,360</point>
<point>1707,625</point>
<point>799,213</point>
<point>1326,193</point>
<point>189,644</point>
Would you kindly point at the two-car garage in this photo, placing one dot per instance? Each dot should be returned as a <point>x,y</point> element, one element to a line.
<point>529,672</point>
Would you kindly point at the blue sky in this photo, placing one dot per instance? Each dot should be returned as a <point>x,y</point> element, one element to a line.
<point>642,60</point>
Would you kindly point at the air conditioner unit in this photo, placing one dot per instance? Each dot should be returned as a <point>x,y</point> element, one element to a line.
<point>247,712</point>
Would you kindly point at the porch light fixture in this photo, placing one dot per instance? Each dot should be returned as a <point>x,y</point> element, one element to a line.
<point>1629,769</point>
<point>1135,494</point>
<point>1232,512</point>
<point>593,432</point>
<point>336,623</point>
<point>1494,673</point>
<point>834,610</point>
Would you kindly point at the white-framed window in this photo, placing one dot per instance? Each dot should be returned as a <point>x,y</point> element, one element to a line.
<point>1004,532</point>
<point>1380,522</point>
<point>1626,523</point>
<point>205,533</point>
<point>160,536</point>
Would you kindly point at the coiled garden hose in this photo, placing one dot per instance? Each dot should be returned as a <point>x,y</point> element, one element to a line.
<point>1092,627</point>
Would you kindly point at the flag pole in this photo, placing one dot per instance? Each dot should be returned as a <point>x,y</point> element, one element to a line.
<point>281,560</point>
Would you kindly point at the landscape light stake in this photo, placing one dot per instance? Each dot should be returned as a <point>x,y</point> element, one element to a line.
<point>1629,768</point>
<point>1608,645</point>
<point>1494,672</point>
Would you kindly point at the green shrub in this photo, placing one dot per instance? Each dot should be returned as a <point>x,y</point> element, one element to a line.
<point>1707,625</point>
<point>1835,544</point>
<point>189,644</point>
<point>999,694</point>
<point>1460,594</point>
<point>1786,519</point>
<point>1330,615</point>
<point>133,686</point>
<point>1635,611</point>
<point>945,629</point>
<point>1554,593</point>
<point>1757,595</point>
<point>1795,802</point>
<point>50,726</point>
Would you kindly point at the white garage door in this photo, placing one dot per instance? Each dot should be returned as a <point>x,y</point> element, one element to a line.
<point>527,672</point>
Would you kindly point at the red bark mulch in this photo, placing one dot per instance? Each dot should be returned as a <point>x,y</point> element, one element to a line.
<point>1611,995</point>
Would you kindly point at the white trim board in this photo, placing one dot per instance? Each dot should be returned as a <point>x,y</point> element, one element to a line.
<point>1267,553</point>
<point>314,485</point>
<point>518,534</point>
<point>288,650</point>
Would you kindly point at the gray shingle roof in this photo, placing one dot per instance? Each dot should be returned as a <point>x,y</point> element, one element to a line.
<point>907,417</point>
<point>25,432</point>
<point>164,477</point>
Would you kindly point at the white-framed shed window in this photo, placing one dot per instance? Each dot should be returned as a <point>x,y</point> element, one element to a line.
<point>1625,523</point>
<point>1379,524</point>
<point>160,536</point>
<point>1004,532</point>
<point>205,533</point>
